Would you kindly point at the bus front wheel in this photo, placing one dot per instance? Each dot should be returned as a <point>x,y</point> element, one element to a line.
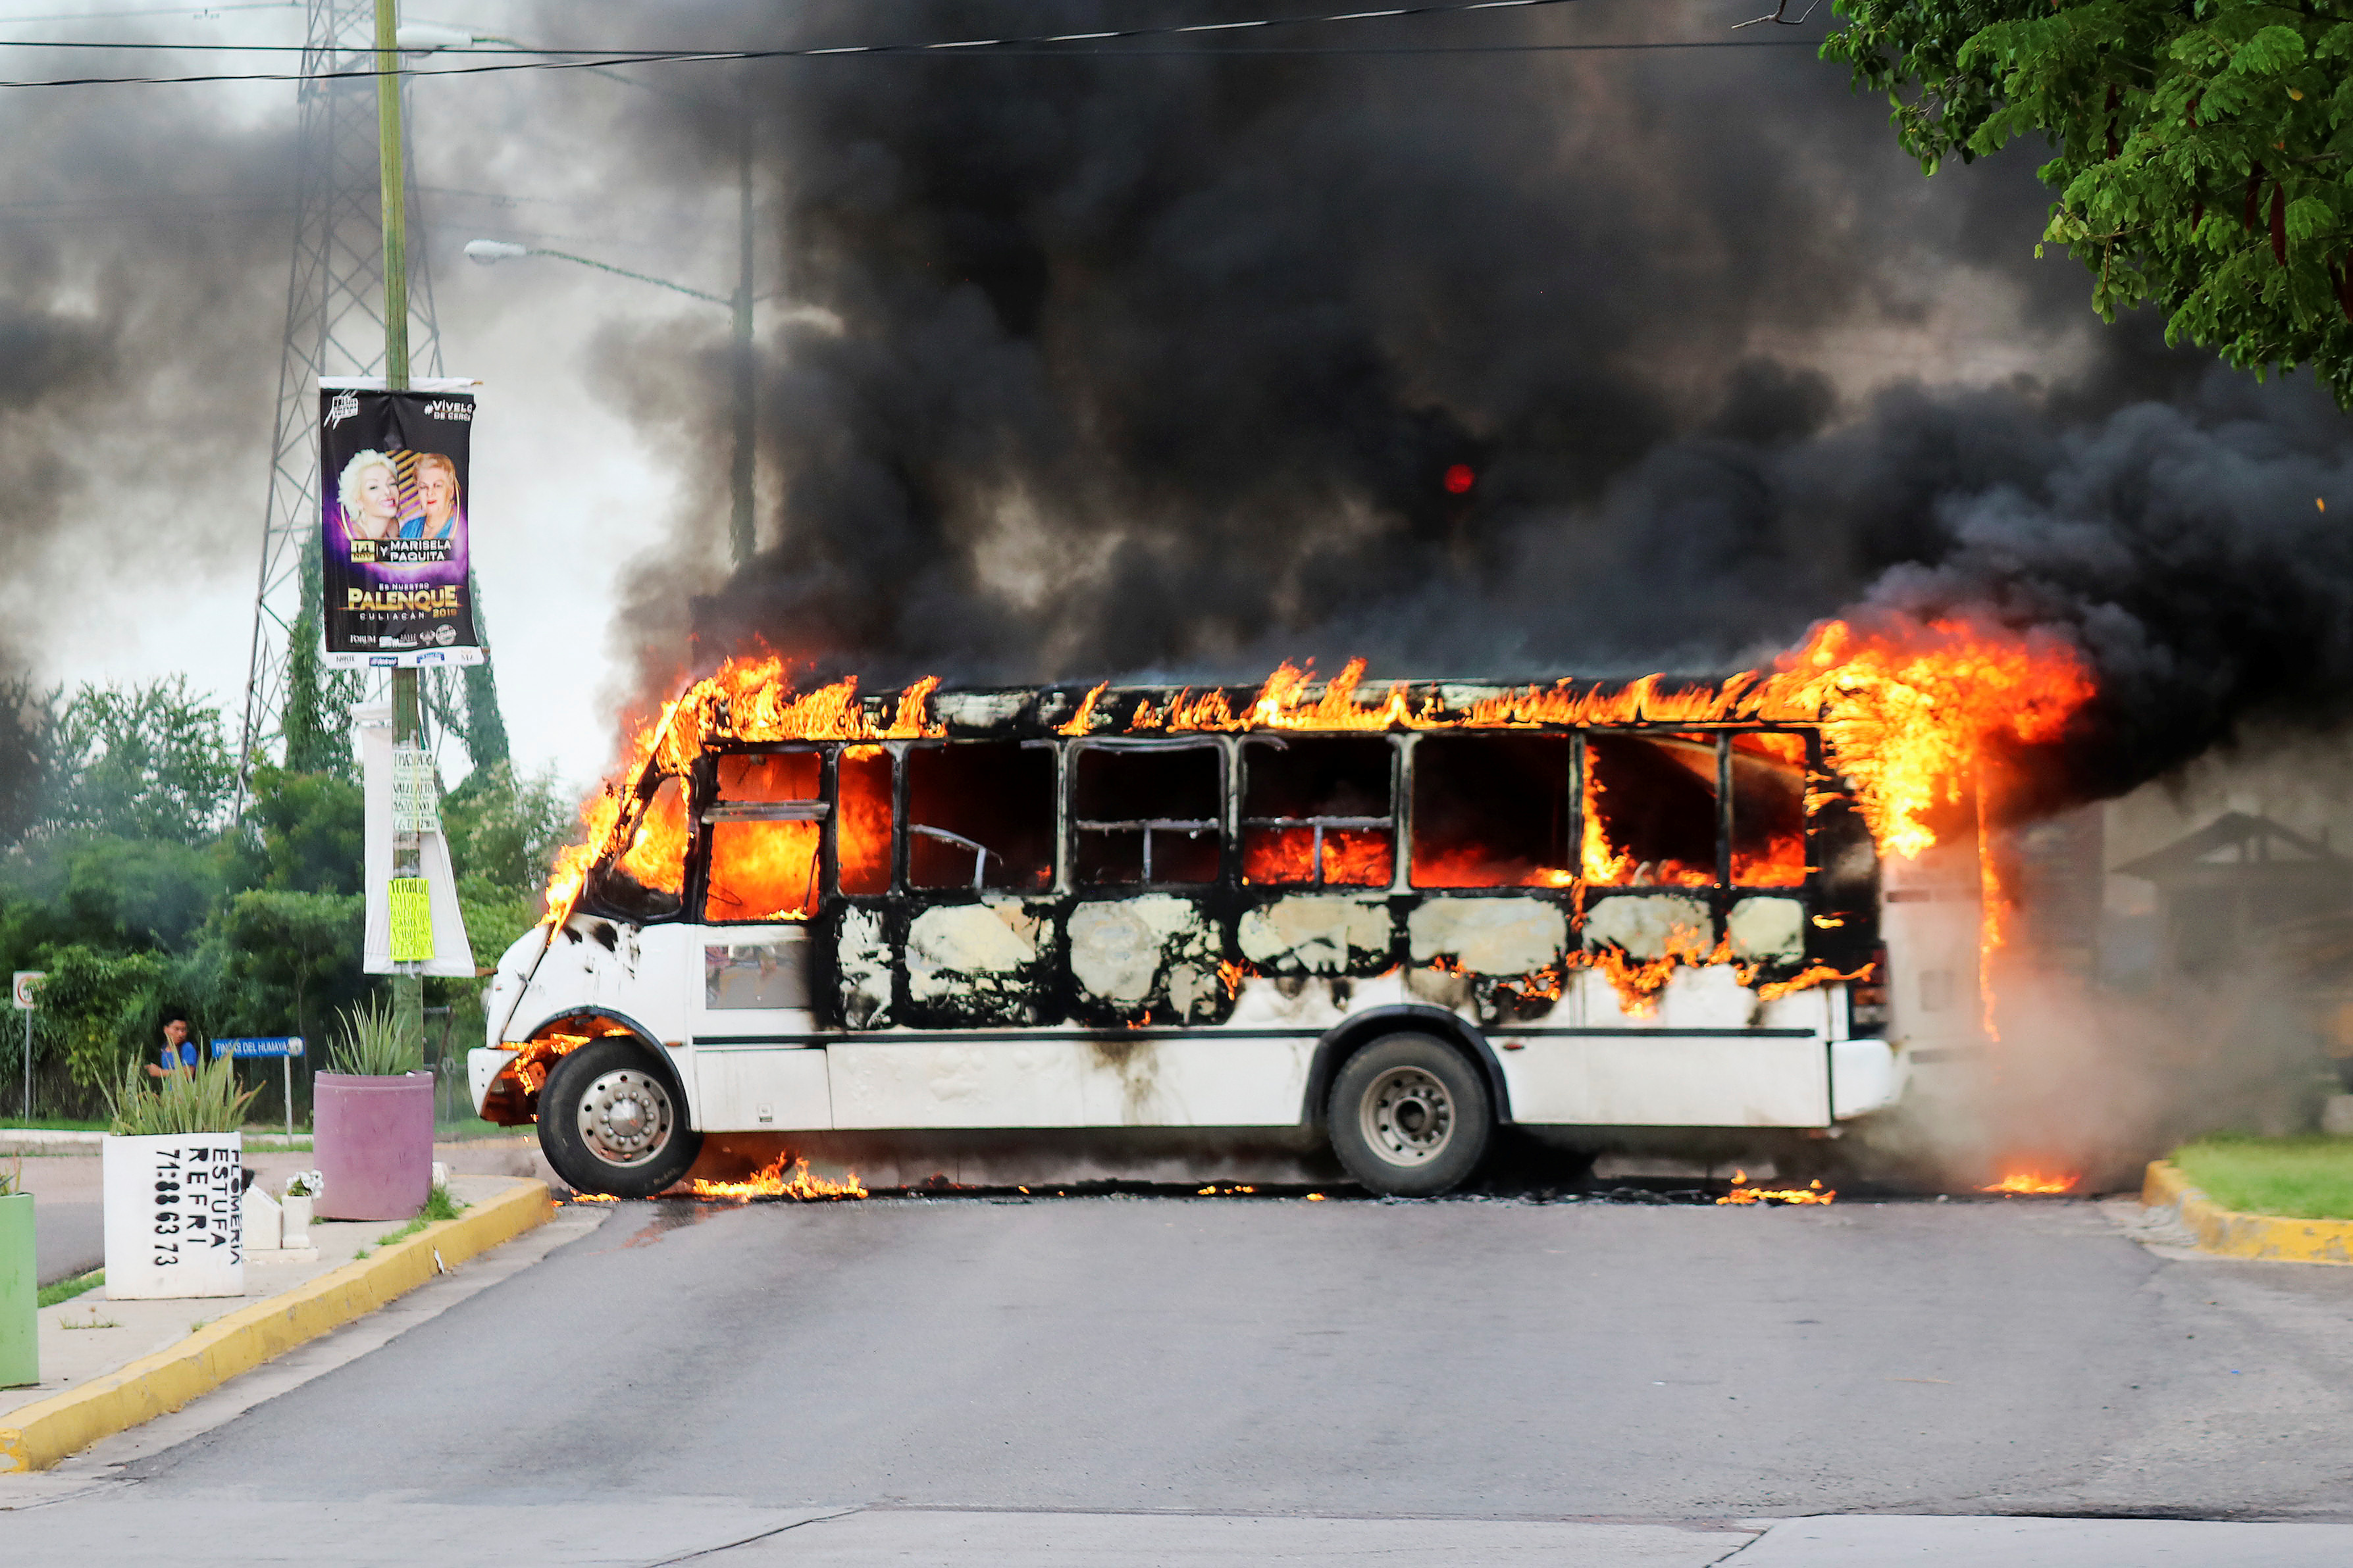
<point>1409,1116</point>
<point>612,1120</point>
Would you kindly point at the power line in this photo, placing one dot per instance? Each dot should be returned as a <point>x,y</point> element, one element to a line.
<point>1044,45</point>
<point>909,52</point>
<point>638,56</point>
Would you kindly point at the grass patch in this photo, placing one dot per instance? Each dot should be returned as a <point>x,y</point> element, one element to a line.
<point>50,1124</point>
<point>66,1289</point>
<point>2308,1177</point>
<point>438,1205</point>
<point>472,1128</point>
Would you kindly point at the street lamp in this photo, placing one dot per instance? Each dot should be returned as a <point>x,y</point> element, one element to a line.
<point>425,37</point>
<point>489,252</point>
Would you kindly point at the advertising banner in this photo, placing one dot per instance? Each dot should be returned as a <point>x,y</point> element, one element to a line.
<point>393,549</point>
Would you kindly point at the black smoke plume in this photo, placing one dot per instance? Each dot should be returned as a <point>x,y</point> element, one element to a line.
<point>1124,367</point>
<point>144,244</point>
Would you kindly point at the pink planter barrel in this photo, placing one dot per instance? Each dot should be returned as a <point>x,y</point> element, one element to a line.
<point>374,1142</point>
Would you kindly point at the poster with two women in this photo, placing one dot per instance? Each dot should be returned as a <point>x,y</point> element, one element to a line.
<point>393,548</point>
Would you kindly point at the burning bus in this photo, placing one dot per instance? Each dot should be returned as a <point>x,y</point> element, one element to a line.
<point>1401,917</point>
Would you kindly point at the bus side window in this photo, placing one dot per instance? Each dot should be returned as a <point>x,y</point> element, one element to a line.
<point>647,879</point>
<point>1649,811</point>
<point>1491,811</point>
<point>765,829</point>
<point>1147,816</point>
<point>1318,813</point>
<point>1768,809</point>
<point>980,813</point>
<point>863,820</point>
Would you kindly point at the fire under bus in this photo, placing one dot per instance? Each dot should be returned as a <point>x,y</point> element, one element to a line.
<point>1399,920</point>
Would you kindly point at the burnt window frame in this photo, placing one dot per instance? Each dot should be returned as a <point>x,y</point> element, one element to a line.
<point>1572,818</point>
<point>894,857</point>
<point>1721,872</point>
<point>648,784</point>
<point>1722,734</point>
<point>1809,766</point>
<point>904,827</point>
<point>1395,821</point>
<point>704,787</point>
<point>1226,801</point>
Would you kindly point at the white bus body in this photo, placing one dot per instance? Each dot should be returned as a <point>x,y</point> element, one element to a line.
<point>1065,977</point>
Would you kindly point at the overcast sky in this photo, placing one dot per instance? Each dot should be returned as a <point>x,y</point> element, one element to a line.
<point>147,566</point>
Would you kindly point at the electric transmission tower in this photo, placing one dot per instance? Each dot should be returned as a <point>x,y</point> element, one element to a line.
<point>335,326</point>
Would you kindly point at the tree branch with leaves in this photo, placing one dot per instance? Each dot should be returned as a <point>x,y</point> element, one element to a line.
<point>2204,149</point>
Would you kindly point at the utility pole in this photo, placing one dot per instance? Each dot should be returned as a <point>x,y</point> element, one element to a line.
<point>335,326</point>
<point>407,727</point>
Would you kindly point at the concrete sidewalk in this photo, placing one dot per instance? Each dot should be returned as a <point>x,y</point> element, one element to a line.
<point>119,1521</point>
<point>61,1170</point>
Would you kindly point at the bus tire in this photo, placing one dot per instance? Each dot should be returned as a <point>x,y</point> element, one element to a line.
<point>612,1120</point>
<point>1409,1116</point>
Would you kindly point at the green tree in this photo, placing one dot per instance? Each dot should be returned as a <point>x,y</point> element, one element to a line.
<point>28,722</point>
<point>108,891</point>
<point>506,830</point>
<point>303,833</point>
<point>2204,149</point>
<point>104,1010</point>
<point>287,960</point>
<point>143,762</point>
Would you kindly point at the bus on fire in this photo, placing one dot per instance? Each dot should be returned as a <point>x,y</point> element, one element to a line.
<point>1401,922</point>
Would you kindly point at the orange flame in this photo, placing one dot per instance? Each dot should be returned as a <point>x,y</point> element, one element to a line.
<point>1907,711</point>
<point>2036,1180</point>
<point>1812,1193</point>
<point>1352,858</point>
<point>770,1181</point>
<point>748,700</point>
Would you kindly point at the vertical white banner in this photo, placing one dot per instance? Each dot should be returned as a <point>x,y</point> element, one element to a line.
<point>452,953</point>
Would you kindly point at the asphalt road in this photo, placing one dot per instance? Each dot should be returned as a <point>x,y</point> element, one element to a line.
<point>1464,1366</point>
<point>68,1238</point>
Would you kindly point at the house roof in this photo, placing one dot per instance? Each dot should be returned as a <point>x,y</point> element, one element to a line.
<point>2236,844</point>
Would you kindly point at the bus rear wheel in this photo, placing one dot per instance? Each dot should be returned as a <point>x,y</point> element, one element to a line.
<point>1409,1116</point>
<point>612,1120</point>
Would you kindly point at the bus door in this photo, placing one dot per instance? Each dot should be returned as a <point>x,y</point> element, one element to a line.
<point>945,977</point>
<point>1492,855</point>
<point>1148,843</point>
<point>759,1062</point>
<point>1318,859</point>
<point>974,933</point>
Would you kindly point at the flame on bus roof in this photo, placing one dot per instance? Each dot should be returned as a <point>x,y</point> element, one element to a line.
<point>1907,709</point>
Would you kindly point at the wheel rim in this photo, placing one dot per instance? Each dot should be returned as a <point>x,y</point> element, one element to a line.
<point>1409,1117</point>
<point>626,1117</point>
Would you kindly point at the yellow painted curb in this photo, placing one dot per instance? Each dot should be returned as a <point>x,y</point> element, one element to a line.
<point>2236,1235</point>
<point>41,1433</point>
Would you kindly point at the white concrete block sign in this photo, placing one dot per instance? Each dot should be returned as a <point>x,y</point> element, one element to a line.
<point>173,1222</point>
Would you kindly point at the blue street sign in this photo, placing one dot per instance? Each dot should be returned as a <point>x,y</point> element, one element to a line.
<point>260,1046</point>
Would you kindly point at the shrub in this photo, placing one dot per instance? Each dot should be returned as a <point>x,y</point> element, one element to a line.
<point>202,1099</point>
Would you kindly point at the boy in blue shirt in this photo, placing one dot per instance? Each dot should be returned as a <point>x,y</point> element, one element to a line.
<point>179,1054</point>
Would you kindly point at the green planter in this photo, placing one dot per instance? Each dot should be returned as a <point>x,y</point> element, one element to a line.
<point>20,1332</point>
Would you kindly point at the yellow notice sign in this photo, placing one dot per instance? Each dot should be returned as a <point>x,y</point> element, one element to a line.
<point>411,909</point>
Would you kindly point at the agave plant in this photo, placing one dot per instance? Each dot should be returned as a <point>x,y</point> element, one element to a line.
<point>201,1098</point>
<point>372,1044</point>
